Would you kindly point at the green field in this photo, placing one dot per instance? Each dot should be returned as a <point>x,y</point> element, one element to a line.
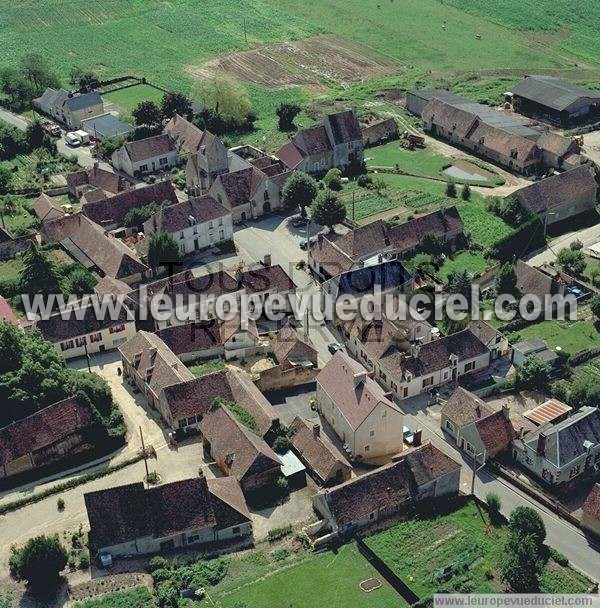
<point>207,367</point>
<point>571,336</point>
<point>129,98</point>
<point>414,550</point>
<point>138,597</point>
<point>419,162</point>
<point>327,579</point>
<point>473,263</point>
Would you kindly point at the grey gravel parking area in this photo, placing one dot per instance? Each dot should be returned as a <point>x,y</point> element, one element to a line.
<point>293,402</point>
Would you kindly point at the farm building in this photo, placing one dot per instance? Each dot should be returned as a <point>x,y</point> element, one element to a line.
<point>557,100</point>
<point>379,132</point>
<point>105,126</point>
<point>69,109</point>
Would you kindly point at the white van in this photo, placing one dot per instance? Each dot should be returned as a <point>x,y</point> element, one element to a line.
<point>73,139</point>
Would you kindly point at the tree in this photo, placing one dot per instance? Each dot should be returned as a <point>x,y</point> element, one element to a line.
<point>81,282</point>
<point>534,373</point>
<point>147,113</point>
<point>527,522</point>
<point>40,273</point>
<point>431,243</point>
<point>466,192</point>
<point>136,217</point>
<point>333,179</point>
<point>36,69</point>
<point>300,190</point>
<point>522,564</point>
<point>595,306</point>
<point>88,80</point>
<point>105,148</point>
<point>506,279</point>
<point>226,97</point>
<point>451,189</point>
<point>163,250</point>
<point>494,505</point>
<point>175,103</point>
<point>35,134</point>
<point>39,562</point>
<point>17,88</point>
<point>460,283</point>
<point>286,113</point>
<point>328,210</point>
<point>571,261</point>
<point>281,445</point>
<point>5,180</point>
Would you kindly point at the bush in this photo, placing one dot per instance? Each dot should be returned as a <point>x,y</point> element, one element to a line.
<point>451,189</point>
<point>60,504</point>
<point>494,505</point>
<point>282,483</point>
<point>281,445</point>
<point>558,557</point>
<point>466,192</point>
<point>156,563</point>
<point>39,562</point>
<point>152,478</point>
<point>364,180</point>
<point>280,554</point>
<point>333,179</point>
<point>278,533</point>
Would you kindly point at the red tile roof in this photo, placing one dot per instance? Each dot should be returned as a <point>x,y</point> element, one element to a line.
<point>6,312</point>
<point>143,149</point>
<point>174,218</point>
<point>291,154</point>
<point>591,506</point>
<point>495,431</point>
<point>43,428</point>
<point>463,407</point>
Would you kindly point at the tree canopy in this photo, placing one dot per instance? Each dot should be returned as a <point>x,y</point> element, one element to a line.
<point>163,250</point>
<point>147,113</point>
<point>534,373</point>
<point>300,190</point>
<point>224,96</point>
<point>328,210</point>
<point>40,274</point>
<point>286,113</point>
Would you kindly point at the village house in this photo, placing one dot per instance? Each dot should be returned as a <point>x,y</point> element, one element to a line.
<point>95,248</point>
<point>109,212</point>
<point>421,368</point>
<point>207,155</point>
<point>333,254</point>
<point>10,246</point>
<point>47,436</point>
<point>213,338</point>
<point>559,453</point>
<point>590,518</point>
<point>335,143</point>
<point>297,360</point>
<point>84,181</point>
<point>424,473</point>
<point>133,520</point>
<point>252,191</point>
<point>554,99</point>
<point>360,412</point>
<point>560,152</point>
<point>327,465</point>
<point>561,196</point>
<point>47,208</point>
<point>69,108</point>
<point>477,429</point>
<point>88,334</point>
<point>143,156</point>
<point>238,452</point>
<point>495,341</point>
<point>195,224</point>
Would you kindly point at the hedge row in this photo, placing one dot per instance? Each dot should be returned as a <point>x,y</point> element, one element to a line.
<point>67,485</point>
<point>527,237</point>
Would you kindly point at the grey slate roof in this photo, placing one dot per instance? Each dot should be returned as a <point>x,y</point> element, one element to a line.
<point>86,100</point>
<point>105,125</point>
<point>553,92</point>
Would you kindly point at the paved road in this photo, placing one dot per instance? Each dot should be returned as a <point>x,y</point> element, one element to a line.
<point>569,540</point>
<point>13,119</point>
<point>588,236</point>
<point>276,236</point>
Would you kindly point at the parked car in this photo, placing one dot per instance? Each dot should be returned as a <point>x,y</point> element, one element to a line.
<point>407,435</point>
<point>299,222</point>
<point>334,347</point>
<point>51,128</point>
<point>106,559</point>
<point>73,140</point>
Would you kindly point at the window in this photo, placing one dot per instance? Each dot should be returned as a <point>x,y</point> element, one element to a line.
<point>181,424</point>
<point>445,375</point>
<point>66,345</point>
<point>449,425</point>
<point>235,530</point>
<point>115,329</point>
<point>181,235</point>
<point>367,448</point>
<point>80,342</point>
<point>372,515</point>
<point>191,420</point>
<point>163,161</point>
<point>384,413</point>
<point>210,224</point>
<point>96,337</point>
<point>371,433</point>
<point>427,381</point>
<point>192,538</point>
<point>469,366</point>
<point>143,168</point>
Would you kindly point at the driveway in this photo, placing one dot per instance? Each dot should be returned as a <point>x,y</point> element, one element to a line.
<point>588,236</point>
<point>13,119</point>
<point>294,402</point>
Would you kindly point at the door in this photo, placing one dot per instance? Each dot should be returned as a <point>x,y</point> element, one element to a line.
<point>153,166</point>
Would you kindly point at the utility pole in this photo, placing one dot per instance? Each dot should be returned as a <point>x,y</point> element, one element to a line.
<point>144,453</point>
<point>353,193</point>
<point>475,469</point>
<point>245,31</point>
<point>87,355</point>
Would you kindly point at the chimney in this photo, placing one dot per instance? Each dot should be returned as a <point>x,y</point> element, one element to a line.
<point>359,377</point>
<point>506,411</point>
<point>415,349</point>
<point>541,444</point>
<point>417,437</point>
<point>478,410</point>
<point>175,366</point>
<point>475,330</point>
<point>96,165</point>
<point>267,259</point>
<point>316,431</point>
<point>200,472</point>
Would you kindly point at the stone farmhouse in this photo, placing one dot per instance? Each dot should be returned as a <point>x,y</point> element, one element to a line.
<point>558,453</point>
<point>554,99</point>
<point>424,473</point>
<point>361,413</point>
<point>561,196</point>
<point>475,428</point>
<point>84,181</point>
<point>195,224</point>
<point>68,108</point>
<point>333,254</point>
<point>133,520</point>
<point>143,156</point>
<point>47,436</point>
<point>335,143</point>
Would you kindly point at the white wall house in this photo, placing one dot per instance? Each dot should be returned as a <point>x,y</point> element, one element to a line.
<point>150,155</point>
<point>358,410</point>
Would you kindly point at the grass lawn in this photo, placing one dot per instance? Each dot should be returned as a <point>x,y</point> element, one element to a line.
<point>419,547</point>
<point>207,367</point>
<point>589,371</point>
<point>571,336</point>
<point>473,262</point>
<point>129,98</point>
<point>138,597</point>
<point>328,579</point>
<point>420,162</point>
<point>10,270</point>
